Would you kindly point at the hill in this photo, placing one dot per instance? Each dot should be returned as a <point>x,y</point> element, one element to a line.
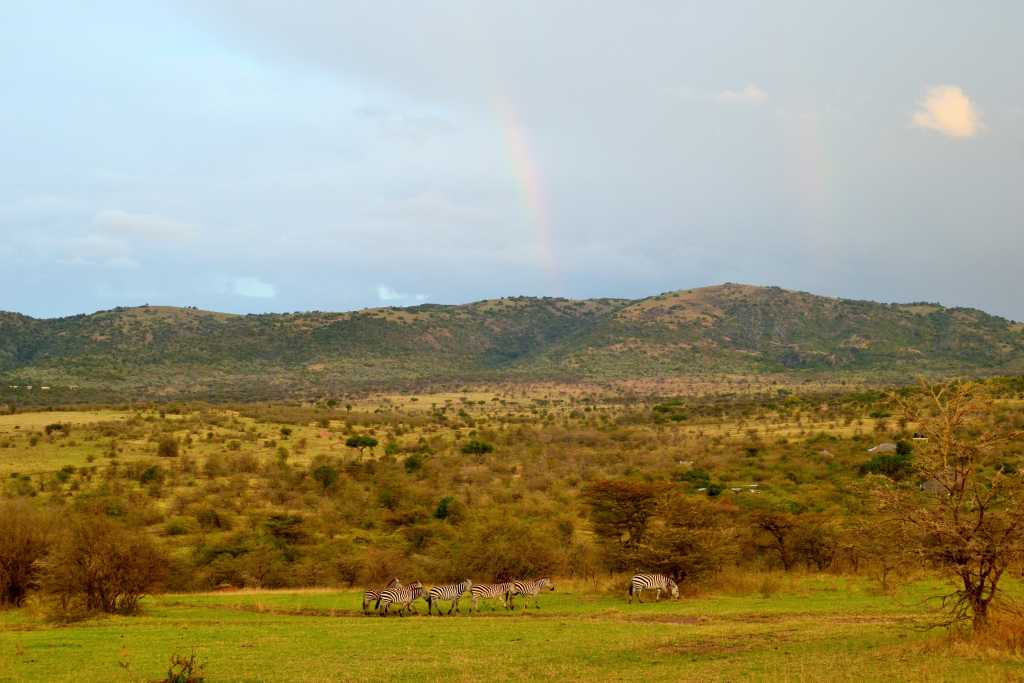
<point>153,350</point>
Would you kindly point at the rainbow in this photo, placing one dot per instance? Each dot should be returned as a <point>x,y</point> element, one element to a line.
<point>530,180</point>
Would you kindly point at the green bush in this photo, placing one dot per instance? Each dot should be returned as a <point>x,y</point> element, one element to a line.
<point>474,447</point>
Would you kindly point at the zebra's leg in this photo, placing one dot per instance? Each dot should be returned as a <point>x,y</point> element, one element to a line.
<point>455,604</point>
<point>657,595</point>
<point>639,593</point>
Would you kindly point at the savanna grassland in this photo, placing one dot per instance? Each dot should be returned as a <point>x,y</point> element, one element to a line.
<point>763,626</point>
<point>253,528</point>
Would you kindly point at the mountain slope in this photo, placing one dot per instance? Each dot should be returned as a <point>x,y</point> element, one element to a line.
<point>726,328</point>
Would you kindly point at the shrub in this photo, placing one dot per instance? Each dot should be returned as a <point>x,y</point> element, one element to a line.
<point>448,508</point>
<point>167,447</point>
<point>326,476</point>
<point>896,466</point>
<point>696,477</point>
<point>102,565</point>
<point>474,447</point>
<point>25,536</point>
<point>57,427</point>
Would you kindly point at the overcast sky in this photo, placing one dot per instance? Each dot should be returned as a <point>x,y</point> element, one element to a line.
<point>275,156</point>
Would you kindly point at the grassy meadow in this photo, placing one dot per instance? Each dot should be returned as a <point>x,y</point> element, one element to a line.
<point>764,627</point>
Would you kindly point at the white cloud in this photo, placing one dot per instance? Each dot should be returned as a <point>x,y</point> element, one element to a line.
<point>385,293</point>
<point>751,94</point>
<point>145,225</point>
<point>947,110</point>
<point>253,288</point>
<point>97,251</point>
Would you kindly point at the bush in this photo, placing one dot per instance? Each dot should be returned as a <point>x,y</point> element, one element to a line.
<point>696,477</point>
<point>450,509</point>
<point>475,447</point>
<point>101,565</point>
<point>167,447</point>
<point>895,466</point>
<point>326,476</point>
<point>25,536</point>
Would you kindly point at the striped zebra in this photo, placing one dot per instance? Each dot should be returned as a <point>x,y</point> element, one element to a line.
<point>403,596</point>
<point>452,592</point>
<point>490,591</point>
<point>372,596</point>
<point>651,582</point>
<point>529,589</point>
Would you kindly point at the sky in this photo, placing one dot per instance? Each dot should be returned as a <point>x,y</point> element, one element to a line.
<point>254,156</point>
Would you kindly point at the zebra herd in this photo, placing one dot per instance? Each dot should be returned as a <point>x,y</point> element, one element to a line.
<point>396,595</point>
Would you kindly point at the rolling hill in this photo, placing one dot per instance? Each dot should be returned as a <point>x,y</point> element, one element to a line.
<point>153,350</point>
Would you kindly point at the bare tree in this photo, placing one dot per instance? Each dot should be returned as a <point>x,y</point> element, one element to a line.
<point>967,509</point>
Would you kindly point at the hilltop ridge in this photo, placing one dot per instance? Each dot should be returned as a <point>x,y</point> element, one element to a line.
<point>723,328</point>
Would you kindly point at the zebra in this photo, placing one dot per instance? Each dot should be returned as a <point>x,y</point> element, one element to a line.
<point>651,582</point>
<point>529,589</point>
<point>490,591</point>
<point>373,596</point>
<point>400,595</point>
<point>451,592</point>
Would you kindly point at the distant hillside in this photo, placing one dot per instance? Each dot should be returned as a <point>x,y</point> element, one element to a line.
<point>154,350</point>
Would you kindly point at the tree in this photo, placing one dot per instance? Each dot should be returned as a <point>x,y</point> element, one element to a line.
<point>620,511</point>
<point>968,514</point>
<point>326,476</point>
<point>687,539</point>
<point>361,442</point>
<point>777,529</point>
<point>102,565</point>
<point>25,536</point>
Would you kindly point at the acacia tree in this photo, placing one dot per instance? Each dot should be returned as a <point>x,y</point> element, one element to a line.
<point>968,511</point>
<point>620,511</point>
<point>689,538</point>
<point>777,528</point>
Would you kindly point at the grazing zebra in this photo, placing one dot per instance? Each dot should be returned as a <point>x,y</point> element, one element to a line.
<point>529,589</point>
<point>373,596</point>
<point>651,582</point>
<point>490,591</point>
<point>400,595</point>
<point>451,592</point>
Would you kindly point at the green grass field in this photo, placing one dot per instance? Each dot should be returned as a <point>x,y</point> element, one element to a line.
<point>813,629</point>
